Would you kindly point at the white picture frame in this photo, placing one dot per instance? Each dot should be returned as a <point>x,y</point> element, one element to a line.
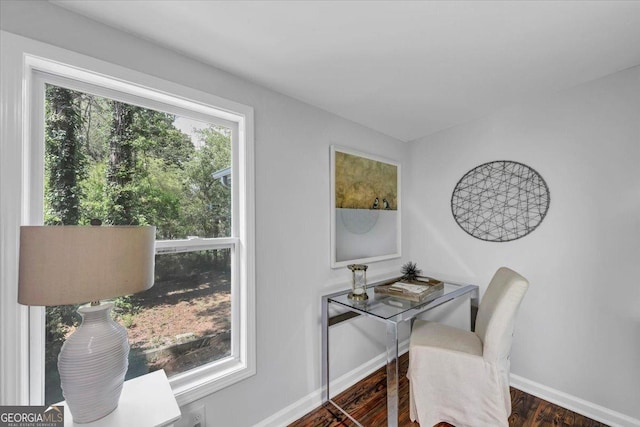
<point>365,208</point>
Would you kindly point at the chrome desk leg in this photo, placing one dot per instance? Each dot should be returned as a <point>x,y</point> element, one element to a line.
<point>475,297</point>
<point>325,349</point>
<point>392,374</point>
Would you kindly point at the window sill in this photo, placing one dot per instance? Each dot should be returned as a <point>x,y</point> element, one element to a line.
<point>208,379</point>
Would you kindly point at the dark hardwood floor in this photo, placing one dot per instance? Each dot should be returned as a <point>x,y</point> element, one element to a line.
<point>366,401</point>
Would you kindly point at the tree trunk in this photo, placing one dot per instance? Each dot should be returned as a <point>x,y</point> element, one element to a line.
<point>121,166</point>
<point>64,154</point>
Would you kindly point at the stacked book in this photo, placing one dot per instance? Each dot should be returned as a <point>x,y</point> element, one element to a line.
<point>411,290</point>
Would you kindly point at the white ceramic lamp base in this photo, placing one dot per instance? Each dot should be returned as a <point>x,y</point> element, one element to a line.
<point>92,364</point>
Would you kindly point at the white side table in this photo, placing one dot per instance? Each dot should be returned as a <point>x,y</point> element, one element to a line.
<point>146,401</point>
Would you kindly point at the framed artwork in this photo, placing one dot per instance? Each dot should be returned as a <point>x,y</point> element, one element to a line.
<point>365,208</point>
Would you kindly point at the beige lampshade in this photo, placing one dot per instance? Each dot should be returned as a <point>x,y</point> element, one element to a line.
<point>76,264</point>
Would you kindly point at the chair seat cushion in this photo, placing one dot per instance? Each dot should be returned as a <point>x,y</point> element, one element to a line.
<point>432,334</point>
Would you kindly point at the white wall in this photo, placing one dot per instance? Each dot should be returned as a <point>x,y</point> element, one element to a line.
<point>292,143</point>
<point>578,331</point>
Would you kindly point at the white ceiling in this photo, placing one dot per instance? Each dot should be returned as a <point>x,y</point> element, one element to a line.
<point>404,68</point>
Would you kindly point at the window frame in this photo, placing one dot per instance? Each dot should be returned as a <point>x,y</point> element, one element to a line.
<point>75,71</point>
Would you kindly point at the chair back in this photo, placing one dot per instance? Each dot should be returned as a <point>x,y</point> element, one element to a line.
<point>496,315</point>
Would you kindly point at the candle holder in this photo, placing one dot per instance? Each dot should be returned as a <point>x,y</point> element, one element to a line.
<point>358,282</point>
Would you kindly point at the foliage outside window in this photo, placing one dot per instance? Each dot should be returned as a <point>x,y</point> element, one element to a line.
<point>128,165</point>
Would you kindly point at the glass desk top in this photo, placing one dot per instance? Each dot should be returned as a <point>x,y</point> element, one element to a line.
<point>395,309</point>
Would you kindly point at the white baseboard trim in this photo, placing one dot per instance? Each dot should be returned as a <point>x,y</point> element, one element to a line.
<point>573,403</point>
<point>314,399</point>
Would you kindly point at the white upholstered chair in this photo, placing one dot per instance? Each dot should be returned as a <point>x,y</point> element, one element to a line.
<point>462,377</point>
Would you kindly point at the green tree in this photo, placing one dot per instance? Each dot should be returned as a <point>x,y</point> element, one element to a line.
<point>209,201</point>
<point>162,153</point>
<point>147,155</point>
<point>96,125</point>
<point>94,186</point>
<point>160,198</point>
<point>120,192</point>
<point>65,160</point>
<point>156,136</point>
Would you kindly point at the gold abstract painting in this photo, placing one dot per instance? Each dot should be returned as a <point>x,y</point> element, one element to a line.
<point>360,181</point>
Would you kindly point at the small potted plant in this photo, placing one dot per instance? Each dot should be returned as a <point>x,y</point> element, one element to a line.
<point>410,271</point>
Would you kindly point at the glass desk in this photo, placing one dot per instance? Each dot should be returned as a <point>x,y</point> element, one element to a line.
<point>391,311</point>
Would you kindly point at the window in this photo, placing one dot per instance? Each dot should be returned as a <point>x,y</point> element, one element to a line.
<point>177,159</point>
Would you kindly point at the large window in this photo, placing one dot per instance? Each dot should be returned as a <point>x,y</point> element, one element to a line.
<point>122,153</point>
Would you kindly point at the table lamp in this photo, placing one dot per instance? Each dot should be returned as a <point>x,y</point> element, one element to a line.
<point>75,264</point>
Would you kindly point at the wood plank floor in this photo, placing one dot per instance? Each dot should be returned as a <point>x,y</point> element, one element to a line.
<point>366,401</point>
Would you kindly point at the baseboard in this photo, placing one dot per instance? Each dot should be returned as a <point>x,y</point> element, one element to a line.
<point>314,399</point>
<point>575,404</point>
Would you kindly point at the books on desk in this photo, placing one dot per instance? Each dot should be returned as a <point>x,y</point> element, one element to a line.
<point>411,290</point>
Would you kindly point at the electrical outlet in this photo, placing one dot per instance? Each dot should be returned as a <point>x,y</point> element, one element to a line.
<point>195,417</point>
